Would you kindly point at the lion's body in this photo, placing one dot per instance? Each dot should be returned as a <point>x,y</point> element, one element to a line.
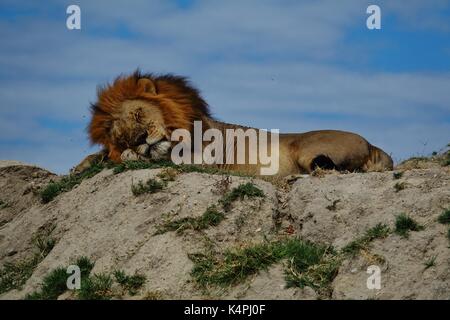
<point>136,115</point>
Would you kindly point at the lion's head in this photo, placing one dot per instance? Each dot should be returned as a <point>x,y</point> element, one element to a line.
<point>143,109</point>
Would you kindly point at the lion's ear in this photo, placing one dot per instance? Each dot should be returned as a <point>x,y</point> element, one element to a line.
<point>147,85</point>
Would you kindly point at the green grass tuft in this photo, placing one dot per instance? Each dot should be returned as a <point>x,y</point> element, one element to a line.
<point>235,265</point>
<point>14,275</point>
<point>397,175</point>
<point>85,265</point>
<point>67,183</point>
<point>3,204</point>
<point>139,165</point>
<point>444,218</point>
<point>53,285</point>
<point>404,224</point>
<point>430,262</point>
<point>309,264</point>
<point>377,232</point>
<point>211,217</point>
<point>312,265</point>
<point>151,186</point>
<point>248,189</point>
<point>96,287</point>
<point>168,174</point>
<point>130,283</point>
<point>43,240</point>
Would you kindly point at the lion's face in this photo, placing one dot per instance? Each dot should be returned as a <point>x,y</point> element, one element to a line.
<point>139,113</point>
<point>139,127</point>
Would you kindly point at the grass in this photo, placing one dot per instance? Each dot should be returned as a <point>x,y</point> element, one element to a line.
<point>14,275</point>
<point>85,265</point>
<point>43,241</point>
<point>3,204</point>
<point>151,186</point>
<point>404,224</point>
<point>397,175</point>
<point>445,161</point>
<point>96,287</point>
<point>430,263</point>
<point>441,157</point>
<point>130,283</point>
<point>248,189</point>
<point>309,264</point>
<point>185,168</point>
<point>55,283</point>
<point>139,165</point>
<point>99,286</point>
<point>168,174</point>
<point>444,217</point>
<point>399,186</point>
<point>211,217</point>
<point>377,232</point>
<point>93,287</point>
<point>235,265</point>
<point>67,183</point>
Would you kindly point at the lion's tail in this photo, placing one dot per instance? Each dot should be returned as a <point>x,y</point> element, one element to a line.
<point>378,160</point>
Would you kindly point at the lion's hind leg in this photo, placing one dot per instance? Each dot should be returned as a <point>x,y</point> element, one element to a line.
<point>322,162</point>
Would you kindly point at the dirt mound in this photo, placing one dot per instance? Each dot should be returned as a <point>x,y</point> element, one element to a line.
<point>196,235</point>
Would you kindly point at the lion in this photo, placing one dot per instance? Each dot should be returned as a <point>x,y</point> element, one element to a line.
<point>134,118</point>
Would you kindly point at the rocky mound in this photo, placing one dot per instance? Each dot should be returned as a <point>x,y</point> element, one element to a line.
<point>173,234</point>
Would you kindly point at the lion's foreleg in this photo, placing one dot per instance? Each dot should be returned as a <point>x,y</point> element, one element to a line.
<point>89,161</point>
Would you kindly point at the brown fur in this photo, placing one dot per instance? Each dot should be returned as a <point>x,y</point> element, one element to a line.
<point>179,104</point>
<point>141,109</point>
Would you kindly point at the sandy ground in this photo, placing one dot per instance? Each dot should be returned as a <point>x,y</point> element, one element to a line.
<point>103,220</point>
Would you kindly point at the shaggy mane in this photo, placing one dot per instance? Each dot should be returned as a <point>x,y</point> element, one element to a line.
<point>180,103</point>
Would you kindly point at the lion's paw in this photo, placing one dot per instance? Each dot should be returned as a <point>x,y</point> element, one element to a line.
<point>160,150</point>
<point>143,149</point>
<point>129,155</point>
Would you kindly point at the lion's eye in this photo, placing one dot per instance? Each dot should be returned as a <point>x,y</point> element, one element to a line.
<point>137,116</point>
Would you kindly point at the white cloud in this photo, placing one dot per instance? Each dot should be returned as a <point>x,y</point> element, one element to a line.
<point>259,63</point>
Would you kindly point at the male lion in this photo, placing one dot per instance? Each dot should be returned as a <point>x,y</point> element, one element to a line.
<point>135,116</point>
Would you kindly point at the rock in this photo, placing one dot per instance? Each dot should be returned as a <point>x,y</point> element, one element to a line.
<point>117,230</point>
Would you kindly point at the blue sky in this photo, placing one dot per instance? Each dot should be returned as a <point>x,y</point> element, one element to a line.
<point>292,65</point>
